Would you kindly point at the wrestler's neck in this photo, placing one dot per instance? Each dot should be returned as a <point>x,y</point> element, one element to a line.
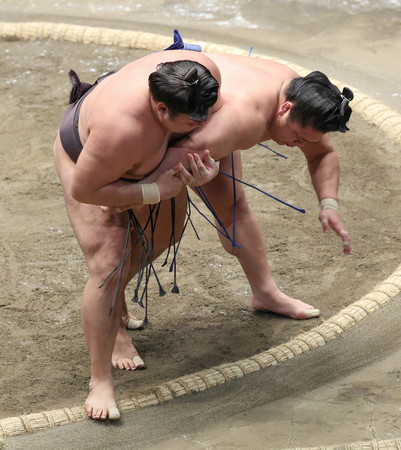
<point>274,120</point>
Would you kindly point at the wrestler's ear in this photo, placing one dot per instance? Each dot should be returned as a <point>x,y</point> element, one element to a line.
<point>162,111</point>
<point>284,108</point>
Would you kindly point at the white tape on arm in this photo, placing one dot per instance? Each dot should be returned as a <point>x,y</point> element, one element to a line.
<point>150,193</point>
<point>329,203</point>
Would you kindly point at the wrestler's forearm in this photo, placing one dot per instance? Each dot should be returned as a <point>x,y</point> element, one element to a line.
<point>325,176</point>
<point>116,194</point>
<point>327,181</point>
<point>121,193</point>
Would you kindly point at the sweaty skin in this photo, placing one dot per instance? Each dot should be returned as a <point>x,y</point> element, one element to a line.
<point>254,109</point>
<point>125,134</point>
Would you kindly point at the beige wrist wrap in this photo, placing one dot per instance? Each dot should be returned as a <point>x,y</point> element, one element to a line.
<point>329,203</point>
<point>150,193</point>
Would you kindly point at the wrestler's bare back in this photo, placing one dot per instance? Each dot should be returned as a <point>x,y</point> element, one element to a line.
<point>250,91</point>
<point>120,134</point>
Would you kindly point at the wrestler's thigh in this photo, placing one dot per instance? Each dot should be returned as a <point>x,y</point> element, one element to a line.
<point>100,235</point>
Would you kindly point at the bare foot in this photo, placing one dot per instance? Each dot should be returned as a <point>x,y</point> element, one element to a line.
<point>282,304</point>
<point>100,402</point>
<point>124,354</point>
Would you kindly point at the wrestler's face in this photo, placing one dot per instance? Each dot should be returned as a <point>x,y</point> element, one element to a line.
<point>291,133</point>
<point>294,135</point>
<point>177,125</point>
<point>183,124</point>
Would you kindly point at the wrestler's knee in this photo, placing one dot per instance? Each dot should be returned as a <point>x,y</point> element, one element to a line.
<point>242,206</point>
<point>103,260</point>
<point>226,212</point>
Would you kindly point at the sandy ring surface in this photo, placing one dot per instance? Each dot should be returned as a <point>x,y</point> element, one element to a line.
<point>368,108</point>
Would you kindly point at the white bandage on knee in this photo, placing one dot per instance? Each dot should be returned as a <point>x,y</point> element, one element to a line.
<point>150,193</point>
<point>329,203</point>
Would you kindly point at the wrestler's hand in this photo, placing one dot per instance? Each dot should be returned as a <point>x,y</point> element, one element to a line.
<point>201,172</point>
<point>170,183</point>
<point>331,220</point>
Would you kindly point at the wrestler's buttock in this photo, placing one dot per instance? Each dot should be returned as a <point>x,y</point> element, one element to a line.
<point>61,158</point>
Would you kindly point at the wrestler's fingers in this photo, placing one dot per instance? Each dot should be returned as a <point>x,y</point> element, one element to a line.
<point>188,180</point>
<point>181,173</point>
<point>346,241</point>
<point>174,170</point>
<point>196,164</point>
<point>208,159</point>
<point>210,167</point>
<point>192,165</point>
<point>325,224</point>
<point>185,176</point>
<point>347,247</point>
<point>343,233</point>
<point>202,168</point>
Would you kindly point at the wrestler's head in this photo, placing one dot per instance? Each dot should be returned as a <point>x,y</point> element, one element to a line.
<point>317,103</point>
<point>185,87</point>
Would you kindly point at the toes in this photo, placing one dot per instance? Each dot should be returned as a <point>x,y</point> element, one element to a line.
<point>128,365</point>
<point>99,414</point>
<point>114,363</point>
<point>89,412</point>
<point>124,364</point>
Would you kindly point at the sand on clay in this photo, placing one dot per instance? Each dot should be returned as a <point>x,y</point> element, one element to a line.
<point>45,363</point>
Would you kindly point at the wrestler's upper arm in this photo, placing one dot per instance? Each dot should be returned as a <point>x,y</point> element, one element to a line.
<point>219,135</point>
<point>106,157</point>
